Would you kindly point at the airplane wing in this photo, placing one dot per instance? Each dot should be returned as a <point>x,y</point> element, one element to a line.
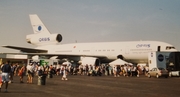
<point>29,50</point>
<point>44,53</point>
<point>40,52</point>
<point>62,55</point>
<point>59,56</point>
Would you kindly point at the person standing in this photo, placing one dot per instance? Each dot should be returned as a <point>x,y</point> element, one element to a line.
<point>115,71</point>
<point>6,70</point>
<point>0,81</point>
<point>21,74</point>
<point>146,70</point>
<point>64,75</point>
<point>30,71</point>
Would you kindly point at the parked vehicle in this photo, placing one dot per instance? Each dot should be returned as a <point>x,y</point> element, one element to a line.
<point>174,73</point>
<point>158,72</point>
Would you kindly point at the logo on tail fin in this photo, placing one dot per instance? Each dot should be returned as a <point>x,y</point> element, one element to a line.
<point>39,28</point>
<point>37,24</point>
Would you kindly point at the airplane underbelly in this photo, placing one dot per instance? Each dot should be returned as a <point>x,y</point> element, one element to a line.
<point>137,58</point>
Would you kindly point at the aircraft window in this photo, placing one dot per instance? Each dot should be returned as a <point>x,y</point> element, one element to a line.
<point>170,47</point>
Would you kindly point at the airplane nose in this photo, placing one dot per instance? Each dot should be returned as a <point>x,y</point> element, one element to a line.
<point>173,50</point>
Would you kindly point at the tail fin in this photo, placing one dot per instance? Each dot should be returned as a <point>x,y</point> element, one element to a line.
<point>37,25</point>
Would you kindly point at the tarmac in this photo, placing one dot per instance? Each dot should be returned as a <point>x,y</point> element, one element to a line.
<point>95,86</point>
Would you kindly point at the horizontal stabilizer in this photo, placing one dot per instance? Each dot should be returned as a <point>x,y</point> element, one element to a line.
<point>27,50</point>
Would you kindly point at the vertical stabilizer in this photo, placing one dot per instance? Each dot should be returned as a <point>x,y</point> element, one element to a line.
<point>37,25</point>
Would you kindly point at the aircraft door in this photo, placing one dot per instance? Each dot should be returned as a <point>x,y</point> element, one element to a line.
<point>159,48</point>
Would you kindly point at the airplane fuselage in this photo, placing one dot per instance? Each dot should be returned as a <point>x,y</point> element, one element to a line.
<point>134,51</point>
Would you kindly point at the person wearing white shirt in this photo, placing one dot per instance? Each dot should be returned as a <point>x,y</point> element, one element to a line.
<point>63,70</point>
<point>30,71</point>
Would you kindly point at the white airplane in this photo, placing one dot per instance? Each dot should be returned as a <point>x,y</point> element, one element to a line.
<point>47,44</point>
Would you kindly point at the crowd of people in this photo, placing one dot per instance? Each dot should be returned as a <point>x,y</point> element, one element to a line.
<point>129,70</point>
<point>9,70</point>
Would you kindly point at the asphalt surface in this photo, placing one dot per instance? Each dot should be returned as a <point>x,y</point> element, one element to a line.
<point>96,86</point>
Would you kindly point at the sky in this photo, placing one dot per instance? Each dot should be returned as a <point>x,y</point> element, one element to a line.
<point>92,20</point>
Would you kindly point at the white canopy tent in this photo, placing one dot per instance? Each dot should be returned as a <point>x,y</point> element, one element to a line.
<point>119,62</point>
<point>67,63</point>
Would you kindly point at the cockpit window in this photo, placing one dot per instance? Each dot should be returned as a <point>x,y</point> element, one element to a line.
<point>170,47</point>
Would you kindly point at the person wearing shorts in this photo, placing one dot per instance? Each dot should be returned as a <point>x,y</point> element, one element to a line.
<point>30,71</point>
<point>6,69</point>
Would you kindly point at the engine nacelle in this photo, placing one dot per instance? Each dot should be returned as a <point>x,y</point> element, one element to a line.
<point>120,57</point>
<point>90,61</point>
<point>43,39</point>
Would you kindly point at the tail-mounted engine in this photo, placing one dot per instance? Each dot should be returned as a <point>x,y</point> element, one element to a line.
<point>43,39</point>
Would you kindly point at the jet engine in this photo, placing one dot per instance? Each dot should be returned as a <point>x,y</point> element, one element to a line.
<point>120,57</point>
<point>43,39</point>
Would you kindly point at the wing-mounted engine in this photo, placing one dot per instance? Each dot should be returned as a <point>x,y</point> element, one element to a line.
<point>90,61</point>
<point>120,57</point>
<point>43,39</point>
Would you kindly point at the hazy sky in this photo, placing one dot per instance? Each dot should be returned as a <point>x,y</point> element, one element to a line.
<point>92,20</point>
